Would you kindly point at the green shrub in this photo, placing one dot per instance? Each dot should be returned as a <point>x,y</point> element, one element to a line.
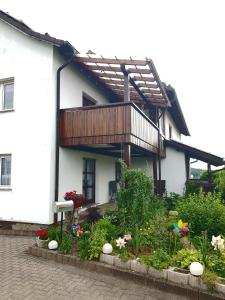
<point>220,182</point>
<point>97,240</point>
<point>203,212</point>
<point>136,203</point>
<point>185,257</point>
<point>158,259</point>
<point>83,247</point>
<point>108,227</point>
<point>216,264</point>
<point>66,244</point>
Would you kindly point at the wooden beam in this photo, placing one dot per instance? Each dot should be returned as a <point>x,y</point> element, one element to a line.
<point>113,81</point>
<point>110,75</point>
<point>138,70</point>
<point>154,96</point>
<point>156,76</point>
<point>104,68</point>
<point>150,91</point>
<point>116,61</point>
<point>148,85</point>
<point>144,78</point>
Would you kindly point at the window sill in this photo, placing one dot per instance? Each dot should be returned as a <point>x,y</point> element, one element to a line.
<point>7,110</point>
<point>5,188</point>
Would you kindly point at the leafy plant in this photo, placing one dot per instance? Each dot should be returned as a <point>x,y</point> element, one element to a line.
<point>185,257</point>
<point>97,240</point>
<point>54,233</point>
<point>66,244</point>
<point>203,212</point>
<point>158,259</point>
<point>220,182</point>
<point>136,203</point>
<point>216,263</point>
<point>83,247</point>
<point>108,227</point>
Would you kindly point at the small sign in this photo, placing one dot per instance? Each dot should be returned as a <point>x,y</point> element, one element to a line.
<point>63,206</point>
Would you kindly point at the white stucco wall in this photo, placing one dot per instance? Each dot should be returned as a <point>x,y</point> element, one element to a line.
<point>144,164</point>
<point>73,84</point>
<point>71,172</point>
<point>174,171</point>
<point>25,133</point>
<point>169,122</point>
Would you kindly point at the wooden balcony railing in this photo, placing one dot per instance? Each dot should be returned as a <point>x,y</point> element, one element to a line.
<point>108,124</point>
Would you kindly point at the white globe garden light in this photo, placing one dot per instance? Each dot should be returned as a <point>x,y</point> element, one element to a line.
<point>53,245</point>
<point>196,269</point>
<point>107,248</point>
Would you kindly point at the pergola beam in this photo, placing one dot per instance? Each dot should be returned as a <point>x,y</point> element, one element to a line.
<point>111,61</point>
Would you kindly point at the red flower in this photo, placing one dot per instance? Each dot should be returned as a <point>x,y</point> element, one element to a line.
<point>78,199</point>
<point>41,233</point>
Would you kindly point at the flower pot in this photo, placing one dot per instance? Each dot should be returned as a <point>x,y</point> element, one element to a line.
<point>42,243</point>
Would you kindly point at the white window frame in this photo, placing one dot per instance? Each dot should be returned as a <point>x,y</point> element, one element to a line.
<point>4,185</point>
<point>3,83</point>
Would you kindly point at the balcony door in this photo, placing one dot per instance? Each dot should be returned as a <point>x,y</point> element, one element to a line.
<point>89,180</point>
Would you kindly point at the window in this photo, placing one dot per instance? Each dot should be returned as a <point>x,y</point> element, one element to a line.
<point>88,100</point>
<point>5,170</point>
<point>6,94</point>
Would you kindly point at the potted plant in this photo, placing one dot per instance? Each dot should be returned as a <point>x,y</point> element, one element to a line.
<point>42,238</point>
<point>71,217</point>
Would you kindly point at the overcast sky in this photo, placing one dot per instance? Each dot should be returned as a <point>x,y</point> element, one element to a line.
<point>185,39</point>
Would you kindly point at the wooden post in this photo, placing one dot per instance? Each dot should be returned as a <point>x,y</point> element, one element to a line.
<point>209,173</point>
<point>126,147</point>
<point>187,165</point>
<point>127,154</point>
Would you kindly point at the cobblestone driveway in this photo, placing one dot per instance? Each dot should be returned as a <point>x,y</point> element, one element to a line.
<point>26,277</point>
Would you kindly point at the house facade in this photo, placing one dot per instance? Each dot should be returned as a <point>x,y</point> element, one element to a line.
<point>66,119</point>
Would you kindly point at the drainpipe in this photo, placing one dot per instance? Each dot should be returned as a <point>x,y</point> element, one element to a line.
<point>159,153</point>
<point>58,131</point>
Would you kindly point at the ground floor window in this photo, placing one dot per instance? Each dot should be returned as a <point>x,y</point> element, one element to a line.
<point>89,179</point>
<point>5,170</point>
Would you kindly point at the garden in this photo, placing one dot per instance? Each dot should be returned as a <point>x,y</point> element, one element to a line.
<point>181,232</point>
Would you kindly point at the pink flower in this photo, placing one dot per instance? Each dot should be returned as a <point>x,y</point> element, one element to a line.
<point>127,237</point>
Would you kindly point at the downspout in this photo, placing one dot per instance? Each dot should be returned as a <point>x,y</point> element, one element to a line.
<point>159,154</point>
<point>58,130</point>
<point>159,186</point>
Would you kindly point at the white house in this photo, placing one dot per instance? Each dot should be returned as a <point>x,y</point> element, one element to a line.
<point>65,119</point>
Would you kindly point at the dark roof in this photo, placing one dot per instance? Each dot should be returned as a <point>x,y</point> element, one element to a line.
<point>175,110</point>
<point>64,46</point>
<point>196,153</point>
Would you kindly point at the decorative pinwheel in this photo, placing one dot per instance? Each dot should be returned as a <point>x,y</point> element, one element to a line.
<point>76,230</point>
<point>180,228</point>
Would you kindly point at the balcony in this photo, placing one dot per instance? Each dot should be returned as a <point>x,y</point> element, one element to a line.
<point>112,124</point>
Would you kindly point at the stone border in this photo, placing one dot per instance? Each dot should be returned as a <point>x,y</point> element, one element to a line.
<point>167,280</point>
<point>17,232</point>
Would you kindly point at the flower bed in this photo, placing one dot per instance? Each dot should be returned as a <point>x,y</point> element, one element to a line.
<point>146,235</point>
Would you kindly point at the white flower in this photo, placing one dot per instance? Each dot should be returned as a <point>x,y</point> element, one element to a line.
<point>120,242</point>
<point>218,243</point>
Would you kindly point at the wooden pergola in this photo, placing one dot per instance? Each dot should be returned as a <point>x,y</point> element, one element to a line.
<point>129,79</point>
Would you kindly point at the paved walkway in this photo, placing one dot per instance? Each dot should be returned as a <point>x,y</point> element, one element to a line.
<point>26,277</point>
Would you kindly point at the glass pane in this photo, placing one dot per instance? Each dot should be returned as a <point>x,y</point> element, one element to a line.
<point>89,194</point>
<point>6,170</point>
<point>90,165</point>
<point>8,96</point>
<point>90,179</point>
